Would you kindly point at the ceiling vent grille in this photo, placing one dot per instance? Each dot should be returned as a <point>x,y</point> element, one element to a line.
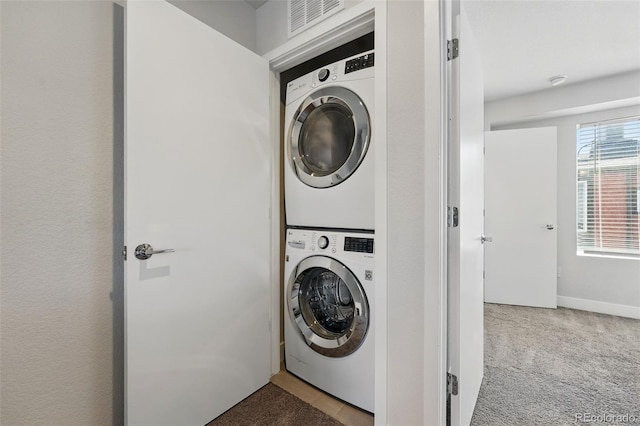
<point>306,13</point>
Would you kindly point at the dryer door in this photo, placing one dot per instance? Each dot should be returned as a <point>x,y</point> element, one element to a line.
<point>329,136</point>
<point>328,305</point>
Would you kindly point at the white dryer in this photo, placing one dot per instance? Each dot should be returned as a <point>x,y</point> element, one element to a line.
<point>329,174</point>
<point>328,326</point>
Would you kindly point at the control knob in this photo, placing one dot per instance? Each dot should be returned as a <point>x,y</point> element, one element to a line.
<point>323,74</point>
<point>323,242</point>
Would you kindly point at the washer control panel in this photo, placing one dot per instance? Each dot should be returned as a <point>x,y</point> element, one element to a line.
<point>329,243</point>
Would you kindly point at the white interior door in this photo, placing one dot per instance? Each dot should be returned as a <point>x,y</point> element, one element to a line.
<point>466,254</point>
<point>520,203</point>
<point>197,181</point>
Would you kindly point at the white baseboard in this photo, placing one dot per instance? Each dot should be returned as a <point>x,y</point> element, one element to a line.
<point>600,307</point>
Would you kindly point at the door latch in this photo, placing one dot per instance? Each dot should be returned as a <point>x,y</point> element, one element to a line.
<point>453,49</point>
<point>452,384</point>
<point>452,217</point>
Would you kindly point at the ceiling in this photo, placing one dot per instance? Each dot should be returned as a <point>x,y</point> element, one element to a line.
<point>524,42</point>
<point>256,3</point>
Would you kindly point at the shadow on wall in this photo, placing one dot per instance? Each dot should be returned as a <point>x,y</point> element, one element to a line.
<point>117,292</point>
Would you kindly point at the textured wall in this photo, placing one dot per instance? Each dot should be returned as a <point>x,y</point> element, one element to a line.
<point>57,213</point>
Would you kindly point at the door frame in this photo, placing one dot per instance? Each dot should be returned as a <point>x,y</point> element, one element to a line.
<point>347,25</point>
<point>358,20</point>
<point>351,23</point>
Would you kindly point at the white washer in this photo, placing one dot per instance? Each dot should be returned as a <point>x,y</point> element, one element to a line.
<point>328,327</point>
<point>328,173</point>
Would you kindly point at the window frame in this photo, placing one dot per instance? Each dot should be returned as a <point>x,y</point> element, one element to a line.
<point>591,188</point>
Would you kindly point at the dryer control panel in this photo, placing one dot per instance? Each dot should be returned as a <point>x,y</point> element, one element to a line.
<point>335,73</point>
<point>357,64</point>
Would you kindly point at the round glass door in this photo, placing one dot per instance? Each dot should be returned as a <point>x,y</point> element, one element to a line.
<point>329,136</point>
<point>329,306</point>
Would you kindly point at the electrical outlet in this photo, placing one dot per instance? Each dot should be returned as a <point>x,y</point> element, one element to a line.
<point>559,272</point>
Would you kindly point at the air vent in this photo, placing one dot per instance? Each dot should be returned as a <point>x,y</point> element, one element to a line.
<point>306,13</point>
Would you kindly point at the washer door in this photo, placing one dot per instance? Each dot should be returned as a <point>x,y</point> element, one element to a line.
<point>329,136</point>
<point>329,306</point>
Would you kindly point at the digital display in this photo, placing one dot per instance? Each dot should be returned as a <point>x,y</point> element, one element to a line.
<point>364,61</point>
<point>360,245</point>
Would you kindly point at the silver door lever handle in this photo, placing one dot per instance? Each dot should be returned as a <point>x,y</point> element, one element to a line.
<point>485,239</point>
<point>550,226</point>
<point>145,251</point>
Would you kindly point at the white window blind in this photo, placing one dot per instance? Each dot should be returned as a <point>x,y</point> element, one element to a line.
<point>608,185</point>
<point>582,206</point>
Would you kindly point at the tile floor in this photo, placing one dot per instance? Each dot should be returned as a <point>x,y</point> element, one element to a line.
<point>335,408</point>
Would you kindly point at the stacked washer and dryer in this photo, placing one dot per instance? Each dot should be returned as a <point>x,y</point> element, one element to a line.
<point>329,205</point>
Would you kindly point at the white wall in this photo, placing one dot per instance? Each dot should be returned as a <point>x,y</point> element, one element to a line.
<point>271,24</point>
<point>234,18</point>
<point>606,281</point>
<point>61,223</point>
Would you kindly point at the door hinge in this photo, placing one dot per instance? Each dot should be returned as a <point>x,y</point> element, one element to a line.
<point>124,252</point>
<point>452,384</point>
<point>452,217</point>
<point>453,49</point>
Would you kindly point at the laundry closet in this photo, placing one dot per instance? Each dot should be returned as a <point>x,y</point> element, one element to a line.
<point>285,222</point>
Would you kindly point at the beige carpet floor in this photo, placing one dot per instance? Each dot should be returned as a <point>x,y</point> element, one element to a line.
<point>547,366</point>
<point>272,405</point>
<point>542,367</point>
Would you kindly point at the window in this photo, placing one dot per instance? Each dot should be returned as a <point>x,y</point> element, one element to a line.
<point>608,184</point>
